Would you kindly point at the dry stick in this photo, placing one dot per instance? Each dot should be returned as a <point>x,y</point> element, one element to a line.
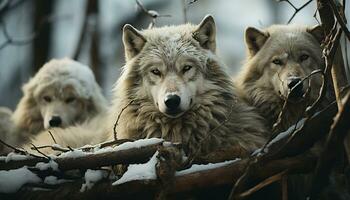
<point>53,138</point>
<point>46,156</point>
<point>92,160</point>
<point>116,122</point>
<point>290,145</point>
<point>115,142</point>
<point>85,149</point>
<point>55,148</point>
<point>16,150</point>
<point>262,184</point>
<point>338,131</point>
<point>279,119</point>
<point>183,183</point>
<point>151,13</point>
<point>284,187</point>
<point>296,10</point>
<point>338,70</point>
<point>340,19</point>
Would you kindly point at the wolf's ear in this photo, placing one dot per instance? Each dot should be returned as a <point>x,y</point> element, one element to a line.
<point>255,39</point>
<point>317,32</point>
<point>205,34</point>
<point>133,41</point>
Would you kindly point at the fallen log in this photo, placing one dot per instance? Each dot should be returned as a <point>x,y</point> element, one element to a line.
<point>91,160</point>
<point>200,180</point>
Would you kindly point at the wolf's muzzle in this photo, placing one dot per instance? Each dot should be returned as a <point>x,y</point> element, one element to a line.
<point>55,121</point>
<point>297,86</point>
<point>172,103</point>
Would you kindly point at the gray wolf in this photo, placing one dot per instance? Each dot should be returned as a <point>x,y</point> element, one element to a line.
<point>279,57</point>
<point>62,93</point>
<point>179,91</point>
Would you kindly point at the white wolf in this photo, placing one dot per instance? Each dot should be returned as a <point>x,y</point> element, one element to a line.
<point>62,93</point>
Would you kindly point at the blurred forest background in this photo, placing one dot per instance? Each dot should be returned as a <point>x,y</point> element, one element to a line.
<point>34,31</point>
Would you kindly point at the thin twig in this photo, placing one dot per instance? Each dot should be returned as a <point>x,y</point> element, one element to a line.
<point>262,184</point>
<point>17,150</point>
<point>296,10</point>
<point>340,19</point>
<point>116,122</point>
<point>53,138</point>
<point>151,13</point>
<point>35,148</point>
<point>53,147</point>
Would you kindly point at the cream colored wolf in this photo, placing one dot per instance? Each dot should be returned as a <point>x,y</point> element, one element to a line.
<point>62,93</point>
<point>279,57</point>
<point>179,91</point>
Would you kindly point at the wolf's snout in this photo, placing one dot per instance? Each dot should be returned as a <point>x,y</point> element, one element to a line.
<point>172,102</point>
<point>298,91</point>
<point>293,81</point>
<point>55,121</point>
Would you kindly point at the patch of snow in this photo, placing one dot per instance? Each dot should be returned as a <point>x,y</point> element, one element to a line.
<point>73,154</point>
<point>257,152</point>
<point>140,171</point>
<point>52,180</point>
<point>284,134</point>
<point>198,168</point>
<point>92,177</point>
<point>12,156</point>
<point>127,145</point>
<point>138,143</point>
<point>12,180</point>
<point>45,166</point>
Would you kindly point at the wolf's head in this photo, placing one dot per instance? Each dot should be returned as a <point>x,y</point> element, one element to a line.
<point>62,93</point>
<point>283,56</point>
<point>170,63</point>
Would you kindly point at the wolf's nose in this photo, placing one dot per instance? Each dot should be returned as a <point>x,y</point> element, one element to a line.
<point>172,102</point>
<point>293,82</point>
<point>55,121</point>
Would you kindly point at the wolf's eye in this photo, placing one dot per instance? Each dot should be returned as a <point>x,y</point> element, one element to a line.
<point>186,68</point>
<point>155,72</point>
<point>70,99</point>
<point>303,57</point>
<point>47,99</point>
<point>277,62</point>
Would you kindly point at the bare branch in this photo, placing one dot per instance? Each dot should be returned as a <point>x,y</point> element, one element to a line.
<point>339,18</point>
<point>296,10</point>
<point>46,156</point>
<point>151,13</point>
<point>91,160</point>
<point>53,138</point>
<point>336,136</point>
<point>116,122</point>
<point>261,185</point>
<point>17,150</point>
